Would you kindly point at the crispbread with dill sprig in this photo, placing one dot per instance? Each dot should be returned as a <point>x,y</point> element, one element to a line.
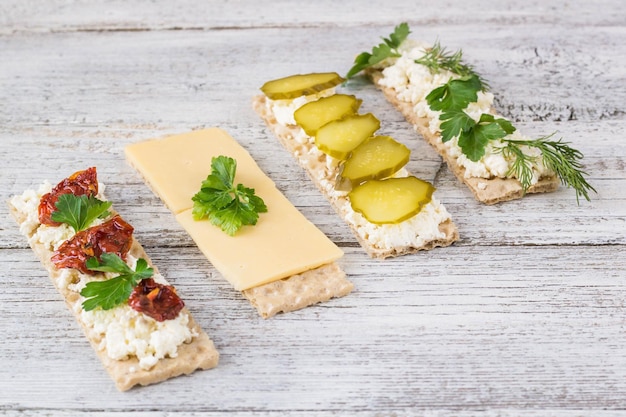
<point>486,190</point>
<point>562,163</point>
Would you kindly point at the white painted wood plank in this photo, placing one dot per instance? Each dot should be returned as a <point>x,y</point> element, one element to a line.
<point>522,317</point>
<point>96,78</point>
<point>98,15</point>
<point>445,332</point>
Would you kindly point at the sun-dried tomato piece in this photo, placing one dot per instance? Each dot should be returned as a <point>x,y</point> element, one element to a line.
<point>112,236</point>
<point>79,183</point>
<point>156,300</point>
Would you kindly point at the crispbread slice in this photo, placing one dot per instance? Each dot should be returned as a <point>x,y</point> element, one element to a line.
<point>200,353</point>
<point>314,163</point>
<point>486,190</point>
<point>305,288</point>
<point>299,291</point>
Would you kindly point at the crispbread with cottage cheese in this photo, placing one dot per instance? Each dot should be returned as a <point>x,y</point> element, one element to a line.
<point>199,353</point>
<point>315,164</point>
<point>486,190</point>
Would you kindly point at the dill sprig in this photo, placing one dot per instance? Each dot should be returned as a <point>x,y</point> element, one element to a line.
<point>437,58</point>
<point>557,156</point>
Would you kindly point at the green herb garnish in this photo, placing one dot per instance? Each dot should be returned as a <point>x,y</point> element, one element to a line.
<point>115,291</point>
<point>437,58</point>
<point>387,49</point>
<point>474,139</point>
<point>557,156</point>
<point>451,99</point>
<point>225,205</point>
<point>79,211</point>
<point>454,96</point>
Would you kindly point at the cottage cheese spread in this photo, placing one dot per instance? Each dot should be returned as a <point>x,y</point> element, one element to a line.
<point>412,82</point>
<point>421,228</point>
<point>283,110</point>
<point>124,332</point>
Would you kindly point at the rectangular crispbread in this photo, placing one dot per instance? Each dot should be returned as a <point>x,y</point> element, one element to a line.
<point>486,190</point>
<point>315,165</point>
<point>200,353</point>
<point>303,289</point>
<point>299,291</point>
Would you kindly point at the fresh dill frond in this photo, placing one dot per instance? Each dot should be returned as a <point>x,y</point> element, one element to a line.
<point>522,164</point>
<point>437,58</point>
<point>557,156</point>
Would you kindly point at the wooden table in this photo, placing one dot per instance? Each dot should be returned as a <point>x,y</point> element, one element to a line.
<point>524,316</point>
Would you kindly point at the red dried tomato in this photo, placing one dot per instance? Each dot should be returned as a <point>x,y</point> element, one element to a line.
<point>112,236</point>
<point>156,300</point>
<point>79,183</point>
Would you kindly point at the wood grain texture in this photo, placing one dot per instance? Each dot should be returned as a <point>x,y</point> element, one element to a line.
<point>523,316</point>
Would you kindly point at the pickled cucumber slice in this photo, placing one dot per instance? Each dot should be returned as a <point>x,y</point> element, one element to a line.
<point>376,158</point>
<point>392,200</point>
<point>316,114</point>
<point>339,137</point>
<point>300,85</point>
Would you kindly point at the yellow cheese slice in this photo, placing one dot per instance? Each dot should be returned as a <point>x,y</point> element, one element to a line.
<point>281,244</point>
<point>176,166</point>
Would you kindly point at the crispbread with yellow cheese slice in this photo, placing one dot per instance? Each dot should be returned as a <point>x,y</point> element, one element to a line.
<point>281,264</point>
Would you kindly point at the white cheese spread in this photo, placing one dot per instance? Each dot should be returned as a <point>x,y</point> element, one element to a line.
<point>413,232</point>
<point>283,110</point>
<point>412,82</point>
<point>123,331</point>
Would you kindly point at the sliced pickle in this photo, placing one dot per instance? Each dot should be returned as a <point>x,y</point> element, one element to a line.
<point>316,114</point>
<point>300,85</point>
<point>392,200</point>
<point>376,158</point>
<point>339,137</point>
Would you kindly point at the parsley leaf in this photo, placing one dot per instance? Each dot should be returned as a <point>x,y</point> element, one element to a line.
<point>473,141</point>
<point>225,205</point>
<point>79,211</point>
<point>504,124</point>
<point>452,98</point>
<point>455,122</point>
<point>456,94</point>
<point>387,49</point>
<point>115,291</point>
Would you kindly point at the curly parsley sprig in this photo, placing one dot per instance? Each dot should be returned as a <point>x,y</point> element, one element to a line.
<point>227,206</point>
<point>112,292</point>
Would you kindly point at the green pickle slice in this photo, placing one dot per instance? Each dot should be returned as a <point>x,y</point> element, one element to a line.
<point>311,116</point>
<point>339,137</point>
<point>298,85</point>
<point>391,200</point>
<point>376,158</point>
